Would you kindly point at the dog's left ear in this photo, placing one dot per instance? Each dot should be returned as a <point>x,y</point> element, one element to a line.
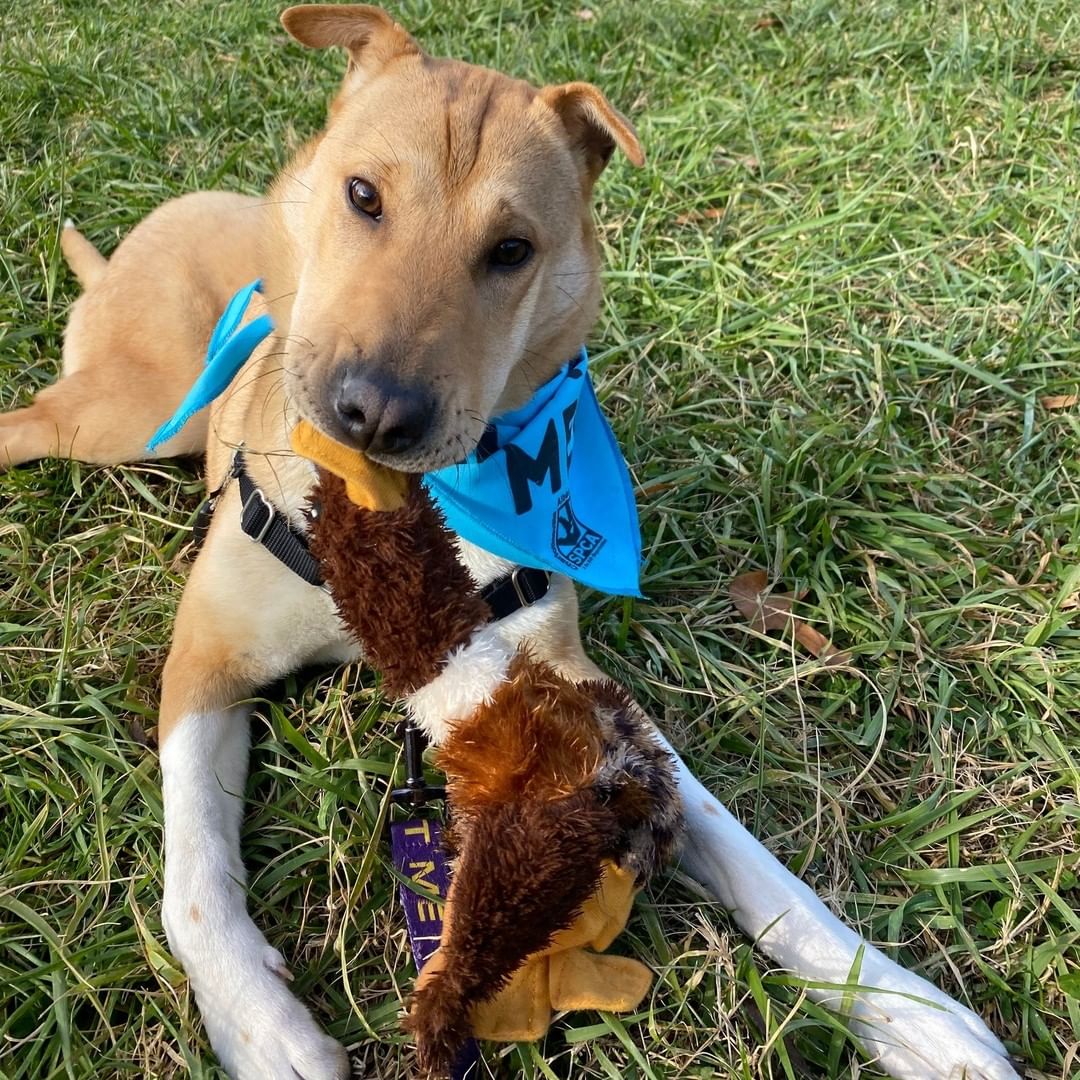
<point>595,126</point>
<point>369,35</point>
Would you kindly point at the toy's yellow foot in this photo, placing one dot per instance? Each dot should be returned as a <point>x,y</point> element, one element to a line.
<point>574,979</point>
<point>371,486</point>
<point>587,980</point>
<point>566,975</point>
<point>520,1011</point>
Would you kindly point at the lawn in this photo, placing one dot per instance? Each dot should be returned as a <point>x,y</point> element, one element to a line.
<point>840,345</point>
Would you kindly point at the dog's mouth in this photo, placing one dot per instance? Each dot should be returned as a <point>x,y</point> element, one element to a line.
<point>451,451</point>
<point>444,433</point>
<point>442,445</point>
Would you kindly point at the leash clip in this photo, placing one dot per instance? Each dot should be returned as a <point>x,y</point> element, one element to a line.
<point>417,792</point>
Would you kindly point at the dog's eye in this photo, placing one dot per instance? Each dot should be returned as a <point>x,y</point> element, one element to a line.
<point>510,253</point>
<point>364,197</point>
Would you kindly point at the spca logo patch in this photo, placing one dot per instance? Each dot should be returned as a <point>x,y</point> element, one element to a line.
<point>573,541</point>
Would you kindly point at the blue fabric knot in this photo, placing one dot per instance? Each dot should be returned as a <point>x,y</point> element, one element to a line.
<point>229,348</point>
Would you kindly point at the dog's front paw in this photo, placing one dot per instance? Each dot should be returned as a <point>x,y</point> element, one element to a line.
<point>916,1032</point>
<point>260,1031</point>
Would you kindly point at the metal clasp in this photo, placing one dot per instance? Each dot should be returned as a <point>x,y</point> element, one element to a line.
<point>271,513</point>
<point>417,791</point>
<point>524,600</point>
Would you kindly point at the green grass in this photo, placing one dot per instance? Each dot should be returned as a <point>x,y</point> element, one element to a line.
<point>837,378</point>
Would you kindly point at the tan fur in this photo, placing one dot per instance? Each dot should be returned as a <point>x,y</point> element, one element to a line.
<point>136,337</point>
<point>463,157</point>
<point>86,262</point>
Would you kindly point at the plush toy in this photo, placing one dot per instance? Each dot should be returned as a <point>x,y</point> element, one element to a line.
<point>561,802</point>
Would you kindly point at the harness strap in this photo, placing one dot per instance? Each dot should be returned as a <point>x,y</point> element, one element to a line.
<point>521,588</point>
<point>259,519</point>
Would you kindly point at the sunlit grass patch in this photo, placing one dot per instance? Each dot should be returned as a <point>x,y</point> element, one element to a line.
<point>839,297</point>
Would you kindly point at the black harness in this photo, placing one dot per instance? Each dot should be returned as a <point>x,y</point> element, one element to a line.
<point>267,526</point>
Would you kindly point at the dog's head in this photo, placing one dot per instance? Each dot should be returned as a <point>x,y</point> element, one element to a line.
<point>441,241</point>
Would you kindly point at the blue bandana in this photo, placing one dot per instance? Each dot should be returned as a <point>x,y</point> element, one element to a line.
<point>230,346</point>
<point>547,486</point>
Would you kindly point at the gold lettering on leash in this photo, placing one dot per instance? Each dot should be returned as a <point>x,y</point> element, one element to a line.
<point>427,910</point>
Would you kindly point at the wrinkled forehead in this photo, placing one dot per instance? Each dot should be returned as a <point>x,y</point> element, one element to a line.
<point>441,128</point>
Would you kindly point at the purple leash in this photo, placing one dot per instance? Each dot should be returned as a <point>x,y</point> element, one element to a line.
<point>416,847</point>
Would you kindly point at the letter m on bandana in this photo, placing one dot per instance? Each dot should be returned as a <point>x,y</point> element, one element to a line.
<point>523,470</point>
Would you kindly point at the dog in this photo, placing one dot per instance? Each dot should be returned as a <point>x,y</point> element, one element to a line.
<point>428,260</point>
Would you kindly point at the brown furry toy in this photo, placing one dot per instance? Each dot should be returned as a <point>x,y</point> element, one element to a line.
<point>562,803</point>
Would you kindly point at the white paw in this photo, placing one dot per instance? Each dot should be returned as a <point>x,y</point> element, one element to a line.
<point>933,1038</point>
<point>258,1029</point>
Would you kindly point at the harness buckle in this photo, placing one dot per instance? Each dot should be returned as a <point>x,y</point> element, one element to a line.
<point>271,513</point>
<point>523,598</point>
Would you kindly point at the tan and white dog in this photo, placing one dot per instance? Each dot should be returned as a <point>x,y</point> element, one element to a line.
<point>428,260</point>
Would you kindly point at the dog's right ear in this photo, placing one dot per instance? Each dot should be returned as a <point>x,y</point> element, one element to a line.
<point>371,38</point>
<point>594,125</point>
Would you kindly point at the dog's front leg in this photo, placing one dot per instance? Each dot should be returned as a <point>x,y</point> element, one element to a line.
<point>243,620</point>
<point>915,1031</point>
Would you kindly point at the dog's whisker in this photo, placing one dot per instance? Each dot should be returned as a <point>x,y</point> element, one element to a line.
<point>352,336</point>
<point>570,296</point>
<point>279,202</point>
<point>296,338</point>
<point>273,390</point>
<point>279,297</point>
<point>296,179</point>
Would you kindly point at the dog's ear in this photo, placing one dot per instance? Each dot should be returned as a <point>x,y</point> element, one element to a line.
<point>371,38</point>
<point>595,126</point>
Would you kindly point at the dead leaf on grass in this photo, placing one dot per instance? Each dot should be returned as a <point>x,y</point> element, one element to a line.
<point>139,734</point>
<point>765,610</point>
<point>710,213</point>
<point>1060,401</point>
<point>586,14</point>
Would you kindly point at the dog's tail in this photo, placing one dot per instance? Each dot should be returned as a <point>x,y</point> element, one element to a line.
<point>84,259</point>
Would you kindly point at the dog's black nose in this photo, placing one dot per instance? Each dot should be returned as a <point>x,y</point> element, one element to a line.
<point>379,414</point>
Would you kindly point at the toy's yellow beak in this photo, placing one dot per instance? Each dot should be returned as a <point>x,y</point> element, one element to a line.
<point>371,486</point>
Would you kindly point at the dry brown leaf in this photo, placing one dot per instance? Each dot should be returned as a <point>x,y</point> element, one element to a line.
<point>586,15</point>
<point>817,644</point>
<point>139,734</point>
<point>767,22</point>
<point>750,595</point>
<point>1060,401</point>
<point>764,610</point>
<point>710,213</point>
